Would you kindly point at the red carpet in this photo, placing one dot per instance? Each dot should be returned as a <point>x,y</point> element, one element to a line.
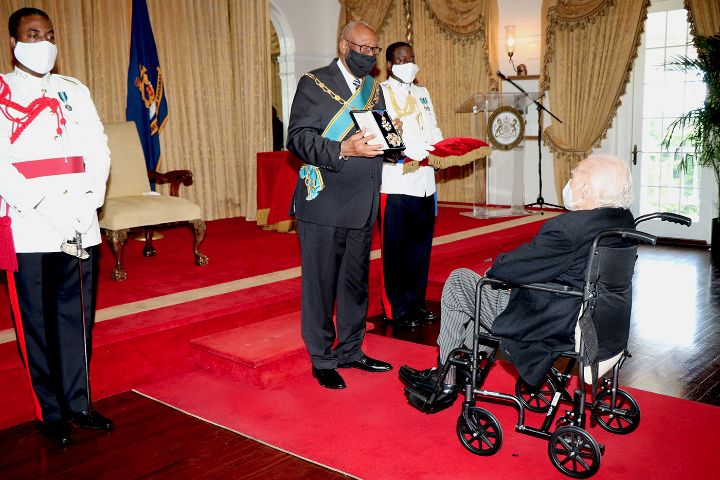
<point>369,431</point>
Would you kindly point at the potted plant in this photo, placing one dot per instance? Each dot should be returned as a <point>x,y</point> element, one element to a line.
<point>700,128</point>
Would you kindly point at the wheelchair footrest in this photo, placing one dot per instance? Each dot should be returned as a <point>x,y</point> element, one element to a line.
<point>429,402</point>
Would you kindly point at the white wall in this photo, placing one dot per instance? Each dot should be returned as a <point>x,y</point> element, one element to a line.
<point>310,26</point>
<point>525,15</point>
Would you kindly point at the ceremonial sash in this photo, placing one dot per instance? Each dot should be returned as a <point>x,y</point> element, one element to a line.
<point>341,123</point>
<point>339,126</point>
<point>50,166</point>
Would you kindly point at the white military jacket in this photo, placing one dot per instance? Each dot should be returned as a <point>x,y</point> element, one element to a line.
<point>420,132</point>
<point>82,135</point>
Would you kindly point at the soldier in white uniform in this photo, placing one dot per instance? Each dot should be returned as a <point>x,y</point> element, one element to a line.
<point>54,164</point>
<point>408,202</point>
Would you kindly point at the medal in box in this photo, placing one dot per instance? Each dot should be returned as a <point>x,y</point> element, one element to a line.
<point>378,123</point>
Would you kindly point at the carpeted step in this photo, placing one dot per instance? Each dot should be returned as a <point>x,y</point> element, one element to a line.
<point>261,354</point>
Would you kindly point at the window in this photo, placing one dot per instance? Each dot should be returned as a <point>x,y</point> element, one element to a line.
<point>667,95</point>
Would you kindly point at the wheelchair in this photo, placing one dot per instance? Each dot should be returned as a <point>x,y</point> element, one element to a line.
<point>606,300</point>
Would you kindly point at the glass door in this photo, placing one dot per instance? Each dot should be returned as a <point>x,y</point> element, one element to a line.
<point>660,96</point>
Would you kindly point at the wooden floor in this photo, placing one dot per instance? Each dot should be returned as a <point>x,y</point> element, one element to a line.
<point>150,440</point>
<point>675,342</point>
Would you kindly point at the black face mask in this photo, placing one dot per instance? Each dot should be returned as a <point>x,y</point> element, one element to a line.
<point>359,64</point>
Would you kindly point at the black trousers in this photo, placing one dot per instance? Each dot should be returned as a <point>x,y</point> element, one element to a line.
<point>407,225</point>
<point>48,289</point>
<point>335,264</point>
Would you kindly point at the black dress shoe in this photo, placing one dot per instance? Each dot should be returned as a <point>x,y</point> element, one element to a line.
<point>426,316</point>
<point>368,364</point>
<point>92,419</point>
<point>328,378</point>
<point>57,431</point>
<point>424,379</point>
<point>427,378</point>
<point>406,320</point>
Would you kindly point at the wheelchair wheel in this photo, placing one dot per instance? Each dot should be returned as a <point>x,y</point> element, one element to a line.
<point>622,418</point>
<point>574,452</point>
<point>480,433</point>
<point>536,399</point>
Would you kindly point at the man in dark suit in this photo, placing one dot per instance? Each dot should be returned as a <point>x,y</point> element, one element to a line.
<point>336,202</point>
<point>535,326</point>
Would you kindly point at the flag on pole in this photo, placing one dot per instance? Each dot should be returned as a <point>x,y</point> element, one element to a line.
<point>146,101</point>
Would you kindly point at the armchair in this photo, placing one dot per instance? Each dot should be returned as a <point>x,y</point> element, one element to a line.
<point>128,204</point>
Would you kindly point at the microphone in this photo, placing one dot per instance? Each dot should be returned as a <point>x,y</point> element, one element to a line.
<point>500,74</point>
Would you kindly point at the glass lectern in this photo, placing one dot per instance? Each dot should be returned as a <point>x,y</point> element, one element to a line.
<point>499,120</point>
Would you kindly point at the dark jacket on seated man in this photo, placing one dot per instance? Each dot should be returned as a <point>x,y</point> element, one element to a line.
<point>537,326</point>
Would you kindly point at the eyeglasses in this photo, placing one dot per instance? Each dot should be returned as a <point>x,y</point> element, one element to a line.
<point>366,49</point>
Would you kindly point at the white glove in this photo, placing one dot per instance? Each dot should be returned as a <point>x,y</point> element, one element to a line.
<point>58,210</point>
<point>415,152</point>
<point>85,212</point>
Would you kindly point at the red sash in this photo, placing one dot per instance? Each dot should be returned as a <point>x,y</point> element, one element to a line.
<point>50,166</point>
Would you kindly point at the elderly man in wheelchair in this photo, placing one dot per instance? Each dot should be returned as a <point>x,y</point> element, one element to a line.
<point>529,305</point>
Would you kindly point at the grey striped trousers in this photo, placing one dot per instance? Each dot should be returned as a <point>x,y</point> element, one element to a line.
<point>457,309</point>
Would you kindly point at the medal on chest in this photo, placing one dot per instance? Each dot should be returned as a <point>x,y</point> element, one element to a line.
<point>64,98</point>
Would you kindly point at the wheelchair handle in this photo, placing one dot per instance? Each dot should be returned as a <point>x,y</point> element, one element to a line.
<point>665,217</point>
<point>626,233</point>
<point>640,237</point>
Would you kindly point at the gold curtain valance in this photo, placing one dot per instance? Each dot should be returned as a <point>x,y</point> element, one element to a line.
<point>463,18</point>
<point>373,12</point>
<point>704,16</point>
<point>574,13</point>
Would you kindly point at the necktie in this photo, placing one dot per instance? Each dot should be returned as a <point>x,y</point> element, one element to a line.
<point>356,83</point>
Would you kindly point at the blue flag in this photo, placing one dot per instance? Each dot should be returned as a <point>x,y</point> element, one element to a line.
<point>146,102</point>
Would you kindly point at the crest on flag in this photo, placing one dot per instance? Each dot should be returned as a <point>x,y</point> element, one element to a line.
<point>151,97</point>
<point>146,99</point>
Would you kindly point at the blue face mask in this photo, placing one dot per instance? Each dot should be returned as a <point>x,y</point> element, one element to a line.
<point>567,196</point>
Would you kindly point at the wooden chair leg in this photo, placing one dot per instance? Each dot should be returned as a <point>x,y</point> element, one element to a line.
<point>117,239</point>
<point>149,250</point>
<point>199,228</point>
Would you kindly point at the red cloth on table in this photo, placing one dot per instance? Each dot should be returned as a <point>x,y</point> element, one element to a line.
<point>277,174</point>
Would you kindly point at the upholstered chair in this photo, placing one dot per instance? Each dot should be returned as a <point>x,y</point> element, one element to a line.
<point>130,204</point>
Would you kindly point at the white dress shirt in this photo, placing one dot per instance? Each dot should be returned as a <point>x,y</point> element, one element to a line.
<point>420,133</point>
<point>349,77</point>
<point>82,135</point>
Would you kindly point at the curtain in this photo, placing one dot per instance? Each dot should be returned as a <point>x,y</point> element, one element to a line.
<point>216,63</point>
<point>455,47</point>
<point>372,12</point>
<point>590,46</point>
<point>704,16</point>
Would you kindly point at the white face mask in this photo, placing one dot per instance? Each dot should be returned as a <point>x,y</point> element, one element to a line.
<point>567,196</point>
<point>38,56</point>
<point>405,72</point>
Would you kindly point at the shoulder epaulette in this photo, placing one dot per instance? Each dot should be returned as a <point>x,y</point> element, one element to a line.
<point>68,79</point>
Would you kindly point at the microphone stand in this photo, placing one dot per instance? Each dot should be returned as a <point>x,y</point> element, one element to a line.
<point>540,201</point>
